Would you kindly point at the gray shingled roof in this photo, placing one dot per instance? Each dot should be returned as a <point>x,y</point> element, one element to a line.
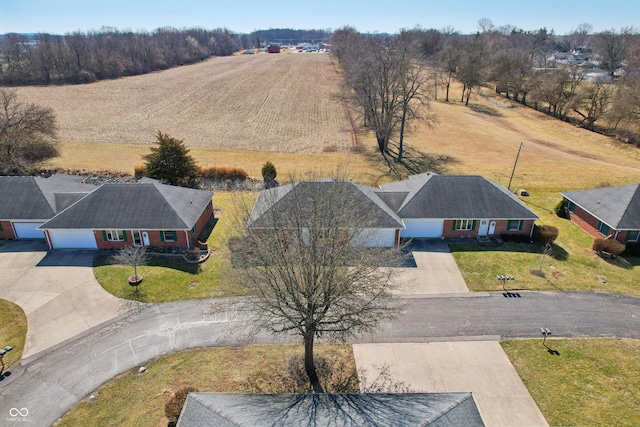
<point>282,199</point>
<point>151,206</point>
<point>618,207</point>
<point>344,410</point>
<point>456,196</point>
<point>37,198</point>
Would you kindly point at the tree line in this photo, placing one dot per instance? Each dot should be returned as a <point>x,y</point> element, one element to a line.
<point>590,79</point>
<point>84,57</point>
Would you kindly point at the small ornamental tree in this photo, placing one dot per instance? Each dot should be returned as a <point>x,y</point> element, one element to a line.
<point>133,256</point>
<point>170,161</point>
<point>269,174</point>
<point>561,210</point>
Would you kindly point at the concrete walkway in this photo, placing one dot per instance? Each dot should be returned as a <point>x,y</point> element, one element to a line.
<point>436,271</point>
<point>480,367</point>
<point>57,292</point>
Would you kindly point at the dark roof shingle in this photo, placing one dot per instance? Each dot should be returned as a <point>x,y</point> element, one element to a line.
<point>618,207</point>
<point>345,410</point>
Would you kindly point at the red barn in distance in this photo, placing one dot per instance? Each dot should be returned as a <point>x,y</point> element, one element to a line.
<point>273,49</point>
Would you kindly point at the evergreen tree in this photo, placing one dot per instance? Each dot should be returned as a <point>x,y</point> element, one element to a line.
<point>170,161</point>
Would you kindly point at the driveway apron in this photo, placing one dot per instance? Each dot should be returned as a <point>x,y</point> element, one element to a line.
<point>56,290</point>
<point>436,271</point>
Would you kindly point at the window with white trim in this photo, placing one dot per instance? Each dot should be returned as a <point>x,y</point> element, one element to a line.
<point>169,236</point>
<point>514,225</point>
<point>603,228</point>
<point>115,235</point>
<point>632,235</point>
<point>464,224</point>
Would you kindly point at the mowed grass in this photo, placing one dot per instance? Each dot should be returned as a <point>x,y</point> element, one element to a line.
<point>572,266</point>
<point>592,382</point>
<point>13,331</point>
<point>134,399</point>
<point>170,278</point>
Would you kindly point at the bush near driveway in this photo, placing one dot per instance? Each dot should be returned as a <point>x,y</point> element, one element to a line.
<point>572,266</point>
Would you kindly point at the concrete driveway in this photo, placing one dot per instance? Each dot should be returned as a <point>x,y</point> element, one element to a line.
<point>436,271</point>
<point>56,290</point>
<point>480,367</point>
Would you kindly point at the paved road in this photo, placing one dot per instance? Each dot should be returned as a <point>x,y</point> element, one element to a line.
<point>68,374</point>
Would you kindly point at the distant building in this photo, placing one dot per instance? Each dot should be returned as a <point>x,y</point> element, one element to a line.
<point>273,49</point>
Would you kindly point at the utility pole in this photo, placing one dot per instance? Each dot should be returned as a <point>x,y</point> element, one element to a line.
<point>514,166</point>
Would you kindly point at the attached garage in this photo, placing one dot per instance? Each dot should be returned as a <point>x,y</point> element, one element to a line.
<point>72,239</point>
<point>377,238</point>
<point>28,230</point>
<point>422,227</point>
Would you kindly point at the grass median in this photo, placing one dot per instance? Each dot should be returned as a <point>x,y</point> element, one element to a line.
<point>13,331</point>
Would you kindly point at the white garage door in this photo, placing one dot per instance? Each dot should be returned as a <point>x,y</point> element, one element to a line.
<point>422,228</point>
<point>28,230</point>
<point>73,239</point>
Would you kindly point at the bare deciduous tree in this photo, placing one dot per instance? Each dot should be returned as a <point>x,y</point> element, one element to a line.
<point>27,134</point>
<point>133,256</point>
<point>303,255</point>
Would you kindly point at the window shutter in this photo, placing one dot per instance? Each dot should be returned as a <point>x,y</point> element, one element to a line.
<point>453,227</point>
<point>162,236</point>
<point>520,225</point>
<point>473,225</point>
<point>124,233</point>
<point>104,235</point>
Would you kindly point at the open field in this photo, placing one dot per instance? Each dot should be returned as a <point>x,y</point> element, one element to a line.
<point>256,102</point>
<point>590,382</point>
<point>134,399</point>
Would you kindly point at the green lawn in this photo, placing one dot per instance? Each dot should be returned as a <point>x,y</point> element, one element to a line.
<point>170,278</point>
<point>573,266</point>
<point>134,399</point>
<point>593,381</point>
<point>13,331</point>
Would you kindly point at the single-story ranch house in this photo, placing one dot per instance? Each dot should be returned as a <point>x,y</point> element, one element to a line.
<point>424,206</point>
<point>111,216</point>
<point>612,212</point>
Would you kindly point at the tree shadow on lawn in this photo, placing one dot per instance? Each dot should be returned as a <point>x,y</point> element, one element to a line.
<point>414,162</point>
<point>485,109</point>
<point>618,261</point>
<point>474,246</point>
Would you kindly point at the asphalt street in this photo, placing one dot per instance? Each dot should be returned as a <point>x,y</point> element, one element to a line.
<point>72,371</point>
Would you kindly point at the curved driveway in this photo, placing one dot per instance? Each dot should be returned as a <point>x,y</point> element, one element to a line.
<point>68,374</point>
<point>56,290</point>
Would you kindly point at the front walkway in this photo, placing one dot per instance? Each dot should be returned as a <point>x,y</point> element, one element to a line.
<point>56,290</point>
<point>480,367</point>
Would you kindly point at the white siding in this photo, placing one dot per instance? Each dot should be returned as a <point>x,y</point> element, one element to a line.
<point>422,228</point>
<point>28,230</point>
<point>73,239</point>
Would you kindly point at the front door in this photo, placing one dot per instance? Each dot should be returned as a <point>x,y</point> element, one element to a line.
<point>492,227</point>
<point>137,238</point>
<point>484,227</point>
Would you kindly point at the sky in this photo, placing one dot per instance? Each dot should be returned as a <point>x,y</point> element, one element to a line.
<point>244,16</point>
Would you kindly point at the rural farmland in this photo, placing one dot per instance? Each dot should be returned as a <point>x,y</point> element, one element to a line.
<point>280,103</point>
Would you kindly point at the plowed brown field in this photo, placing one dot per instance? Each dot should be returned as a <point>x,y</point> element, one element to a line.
<point>262,102</point>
